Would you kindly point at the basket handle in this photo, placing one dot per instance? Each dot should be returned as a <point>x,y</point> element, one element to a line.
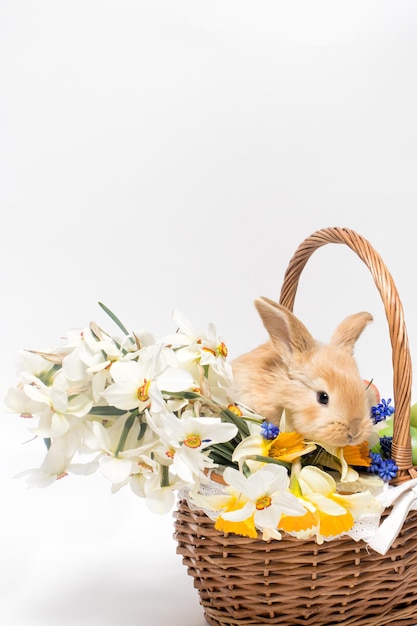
<point>401,360</point>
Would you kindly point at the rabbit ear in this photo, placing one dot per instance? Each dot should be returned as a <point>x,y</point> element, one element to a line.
<point>286,331</point>
<point>348,331</point>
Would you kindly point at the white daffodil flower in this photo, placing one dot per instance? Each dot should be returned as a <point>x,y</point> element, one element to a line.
<point>252,503</point>
<point>185,439</point>
<point>159,497</point>
<point>75,363</point>
<point>92,351</point>
<point>18,401</point>
<point>199,350</point>
<point>34,371</point>
<point>188,336</point>
<point>133,379</point>
<point>57,461</point>
<point>34,366</point>
<point>117,465</point>
<point>59,406</point>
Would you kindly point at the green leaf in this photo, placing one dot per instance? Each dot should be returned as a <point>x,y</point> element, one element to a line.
<point>220,460</point>
<point>221,451</point>
<point>187,395</point>
<point>114,318</point>
<point>106,411</point>
<point>246,469</point>
<point>268,459</point>
<point>237,421</point>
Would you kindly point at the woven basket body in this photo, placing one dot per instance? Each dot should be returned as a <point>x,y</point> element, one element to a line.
<point>243,582</point>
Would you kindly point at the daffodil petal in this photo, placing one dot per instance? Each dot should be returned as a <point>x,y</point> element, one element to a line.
<point>270,533</point>
<point>238,515</point>
<point>268,517</point>
<point>173,379</point>
<point>359,503</point>
<point>210,503</point>
<point>116,470</point>
<point>251,446</point>
<point>327,505</point>
<point>235,479</point>
<point>245,528</point>
<point>314,480</point>
<point>160,500</point>
<point>291,523</point>
<point>290,504</point>
<point>334,525</point>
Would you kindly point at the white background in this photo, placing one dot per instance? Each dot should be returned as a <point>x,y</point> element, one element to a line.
<point>172,155</point>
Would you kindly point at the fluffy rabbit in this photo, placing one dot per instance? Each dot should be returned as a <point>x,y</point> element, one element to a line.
<point>319,386</point>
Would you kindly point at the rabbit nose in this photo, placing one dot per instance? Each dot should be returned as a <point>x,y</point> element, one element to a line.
<point>355,429</point>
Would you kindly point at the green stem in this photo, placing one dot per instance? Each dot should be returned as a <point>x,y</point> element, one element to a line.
<point>165,476</point>
<point>142,430</point>
<point>46,377</point>
<point>126,429</point>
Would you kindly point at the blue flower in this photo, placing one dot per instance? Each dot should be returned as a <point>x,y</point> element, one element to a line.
<point>386,446</point>
<point>269,430</point>
<point>384,468</point>
<point>381,411</point>
<point>376,462</point>
<point>388,470</point>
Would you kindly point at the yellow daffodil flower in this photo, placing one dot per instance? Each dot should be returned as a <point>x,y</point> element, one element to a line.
<point>286,447</point>
<point>329,513</point>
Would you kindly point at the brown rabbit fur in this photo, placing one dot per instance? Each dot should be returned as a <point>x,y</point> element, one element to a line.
<point>318,386</point>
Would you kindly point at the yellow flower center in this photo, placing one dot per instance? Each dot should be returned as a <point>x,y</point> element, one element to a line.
<point>192,441</point>
<point>170,454</point>
<point>210,350</point>
<point>222,349</point>
<point>263,503</point>
<point>235,409</point>
<point>143,391</point>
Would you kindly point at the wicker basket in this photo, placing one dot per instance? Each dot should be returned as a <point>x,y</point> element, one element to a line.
<point>244,582</point>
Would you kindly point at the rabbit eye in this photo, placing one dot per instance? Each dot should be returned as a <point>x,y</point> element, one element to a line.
<point>322,397</point>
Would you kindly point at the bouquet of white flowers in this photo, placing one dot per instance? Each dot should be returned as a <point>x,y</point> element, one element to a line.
<point>157,415</point>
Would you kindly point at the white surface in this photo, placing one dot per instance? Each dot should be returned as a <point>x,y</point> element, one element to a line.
<point>159,155</point>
